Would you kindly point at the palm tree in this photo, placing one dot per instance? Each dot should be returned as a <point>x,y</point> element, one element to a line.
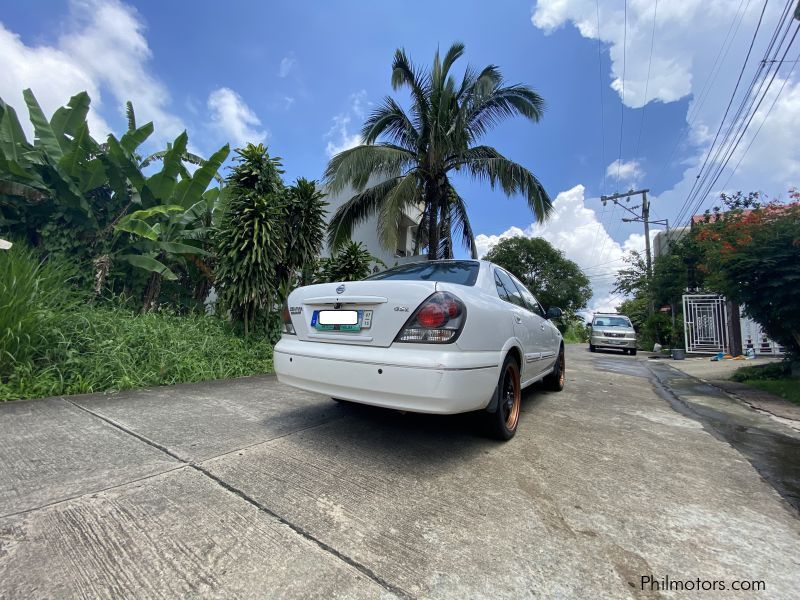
<point>409,166</point>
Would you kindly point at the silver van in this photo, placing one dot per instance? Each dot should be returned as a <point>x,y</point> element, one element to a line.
<point>611,330</point>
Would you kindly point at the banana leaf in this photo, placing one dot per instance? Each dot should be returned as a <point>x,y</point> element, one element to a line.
<point>162,184</point>
<point>44,136</point>
<point>67,120</point>
<point>148,263</point>
<point>189,191</point>
<point>12,138</point>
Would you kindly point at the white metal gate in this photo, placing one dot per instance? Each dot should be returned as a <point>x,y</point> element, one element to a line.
<point>753,337</point>
<point>705,323</point>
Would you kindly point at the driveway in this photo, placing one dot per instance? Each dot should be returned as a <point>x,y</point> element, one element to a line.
<point>247,488</point>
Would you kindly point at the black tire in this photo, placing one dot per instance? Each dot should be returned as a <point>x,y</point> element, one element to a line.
<point>592,348</point>
<point>502,423</point>
<point>624,350</point>
<point>556,380</point>
<point>633,351</point>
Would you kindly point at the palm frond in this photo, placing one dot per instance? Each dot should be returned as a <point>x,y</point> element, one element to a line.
<point>356,166</point>
<point>403,195</point>
<point>455,52</point>
<point>485,110</point>
<point>459,222</point>
<point>357,210</point>
<point>390,120</point>
<point>487,164</point>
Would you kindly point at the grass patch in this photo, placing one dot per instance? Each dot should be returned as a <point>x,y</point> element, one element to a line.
<point>776,370</point>
<point>788,388</point>
<point>52,342</point>
<point>111,349</point>
<point>774,378</point>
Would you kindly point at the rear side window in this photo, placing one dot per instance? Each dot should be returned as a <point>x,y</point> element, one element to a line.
<point>461,272</point>
<point>513,294</point>
<point>533,304</point>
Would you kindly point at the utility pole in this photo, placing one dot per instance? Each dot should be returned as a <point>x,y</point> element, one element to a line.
<point>644,217</point>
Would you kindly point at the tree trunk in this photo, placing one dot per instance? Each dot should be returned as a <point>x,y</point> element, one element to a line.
<point>152,292</point>
<point>433,232</point>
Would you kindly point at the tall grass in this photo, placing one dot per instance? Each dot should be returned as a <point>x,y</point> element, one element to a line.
<point>54,343</point>
<point>33,296</point>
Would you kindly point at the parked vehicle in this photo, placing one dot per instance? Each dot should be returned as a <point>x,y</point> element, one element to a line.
<point>611,330</point>
<point>446,336</point>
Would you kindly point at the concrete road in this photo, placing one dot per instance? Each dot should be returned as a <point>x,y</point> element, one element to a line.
<point>250,489</point>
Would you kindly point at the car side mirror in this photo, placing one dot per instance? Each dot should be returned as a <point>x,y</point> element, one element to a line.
<point>554,312</point>
<point>589,324</point>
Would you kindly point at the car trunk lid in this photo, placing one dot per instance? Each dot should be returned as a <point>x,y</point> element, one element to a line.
<point>384,306</point>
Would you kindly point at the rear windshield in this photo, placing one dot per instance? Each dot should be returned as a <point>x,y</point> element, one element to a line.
<point>611,322</point>
<point>462,272</point>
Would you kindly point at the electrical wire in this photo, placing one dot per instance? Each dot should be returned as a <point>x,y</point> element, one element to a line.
<point>748,108</point>
<point>647,80</point>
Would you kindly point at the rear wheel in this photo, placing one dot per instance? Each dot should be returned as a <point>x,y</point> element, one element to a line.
<point>592,348</point>
<point>633,351</point>
<point>508,395</point>
<point>556,380</point>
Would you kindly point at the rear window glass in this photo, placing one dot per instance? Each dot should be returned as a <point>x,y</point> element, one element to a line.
<point>460,272</point>
<point>611,322</point>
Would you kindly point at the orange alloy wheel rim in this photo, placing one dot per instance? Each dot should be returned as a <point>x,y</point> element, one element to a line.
<point>562,377</point>
<point>512,398</point>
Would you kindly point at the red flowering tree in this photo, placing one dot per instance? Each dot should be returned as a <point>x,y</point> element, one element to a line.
<point>751,254</point>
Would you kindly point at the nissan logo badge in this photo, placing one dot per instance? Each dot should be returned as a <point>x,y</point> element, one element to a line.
<point>340,289</point>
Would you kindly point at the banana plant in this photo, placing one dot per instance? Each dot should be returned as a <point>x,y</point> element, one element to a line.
<point>171,231</point>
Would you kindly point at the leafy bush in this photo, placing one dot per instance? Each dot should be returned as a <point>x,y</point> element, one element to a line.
<point>576,332</point>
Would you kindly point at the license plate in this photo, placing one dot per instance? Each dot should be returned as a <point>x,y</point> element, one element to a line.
<point>341,320</point>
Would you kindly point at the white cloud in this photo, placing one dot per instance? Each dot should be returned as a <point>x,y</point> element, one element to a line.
<point>629,172</point>
<point>102,49</point>
<point>340,136</point>
<point>576,230</point>
<point>694,56</point>
<point>233,118</point>
<point>288,63</point>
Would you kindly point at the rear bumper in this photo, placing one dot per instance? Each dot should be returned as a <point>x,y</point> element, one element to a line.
<point>607,342</point>
<point>414,378</point>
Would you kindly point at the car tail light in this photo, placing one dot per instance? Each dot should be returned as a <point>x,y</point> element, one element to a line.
<point>438,320</point>
<point>288,328</point>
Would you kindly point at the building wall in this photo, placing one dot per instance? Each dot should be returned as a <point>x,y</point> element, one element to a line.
<point>663,239</point>
<point>367,233</point>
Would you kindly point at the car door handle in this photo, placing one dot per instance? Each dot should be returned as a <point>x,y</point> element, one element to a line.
<point>518,319</point>
<point>542,326</point>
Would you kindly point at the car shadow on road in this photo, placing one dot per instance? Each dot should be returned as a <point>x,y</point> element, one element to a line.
<point>429,440</point>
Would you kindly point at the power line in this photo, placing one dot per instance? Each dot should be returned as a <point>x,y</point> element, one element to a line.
<point>708,85</point>
<point>602,119</point>
<point>755,135</point>
<point>647,81</point>
<point>752,113</point>
<point>749,106</point>
<point>730,103</point>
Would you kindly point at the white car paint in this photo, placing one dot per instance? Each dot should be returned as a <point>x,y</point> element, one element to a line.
<point>370,367</point>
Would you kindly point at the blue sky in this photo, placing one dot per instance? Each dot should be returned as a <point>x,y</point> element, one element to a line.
<point>302,76</point>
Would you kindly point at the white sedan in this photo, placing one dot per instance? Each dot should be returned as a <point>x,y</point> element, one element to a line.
<point>444,337</point>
